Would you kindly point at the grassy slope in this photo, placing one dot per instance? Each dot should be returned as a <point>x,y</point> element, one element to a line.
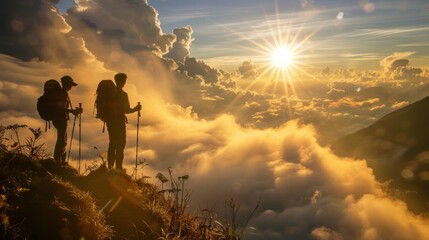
<point>39,200</point>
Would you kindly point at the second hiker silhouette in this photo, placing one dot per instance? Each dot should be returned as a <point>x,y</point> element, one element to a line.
<point>116,125</point>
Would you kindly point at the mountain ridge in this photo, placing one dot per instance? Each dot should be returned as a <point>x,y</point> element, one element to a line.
<point>396,147</point>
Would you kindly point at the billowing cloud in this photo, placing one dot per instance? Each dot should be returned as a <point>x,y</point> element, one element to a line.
<point>248,70</point>
<point>398,105</point>
<point>129,26</point>
<point>35,30</point>
<point>408,73</point>
<point>336,94</point>
<point>194,67</point>
<point>399,63</point>
<point>397,67</point>
<point>397,58</point>
<point>304,190</point>
<point>181,46</point>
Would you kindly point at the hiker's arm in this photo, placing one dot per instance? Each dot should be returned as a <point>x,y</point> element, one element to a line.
<point>128,109</point>
<point>75,112</point>
<point>135,109</point>
<point>69,108</point>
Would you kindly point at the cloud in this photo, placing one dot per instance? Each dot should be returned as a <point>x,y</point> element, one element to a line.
<point>181,46</point>
<point>398,105</point>
<point>130,26</point>
<point>304,189</point>
<point>336,94</point>
<point>395,60</point>
<point>35,30</point>
<point>396,66</point>
<point>248,70</point>
<point>384,33</point>
<point>398,63</point>
<point>408,73</point>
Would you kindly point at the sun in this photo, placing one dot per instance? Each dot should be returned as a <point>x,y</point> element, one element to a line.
<point>282,57</point>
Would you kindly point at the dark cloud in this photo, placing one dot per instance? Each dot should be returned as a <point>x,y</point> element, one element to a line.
<point>397,67</point>
<point>194,67</point>
<point>33,29</point>
<point>181,46</point>
<point>398,63</point>
<point>389,60</point>
<point>248,70</point>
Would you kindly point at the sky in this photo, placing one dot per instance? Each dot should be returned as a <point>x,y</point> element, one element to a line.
<point>353,30</point>
<point>243,96</point>
<point>349,33</point>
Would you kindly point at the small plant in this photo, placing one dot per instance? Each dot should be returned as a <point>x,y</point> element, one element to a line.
<point>178,220</point>
<point>184,198</point>
<point>32,149</point>
<point>141,164</point>
<point>211,228</point>
<point>16,143</point>
<point>94,165</point>
<point>162,179</point>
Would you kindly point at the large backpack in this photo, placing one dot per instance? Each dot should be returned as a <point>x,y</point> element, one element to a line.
<point>50,105</point>
<point>105,100</point>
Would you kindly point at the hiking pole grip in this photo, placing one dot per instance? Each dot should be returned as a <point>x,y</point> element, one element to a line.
<point>138,104</point>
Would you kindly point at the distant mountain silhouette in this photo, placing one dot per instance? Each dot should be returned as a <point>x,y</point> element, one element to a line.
<point>397,148</point>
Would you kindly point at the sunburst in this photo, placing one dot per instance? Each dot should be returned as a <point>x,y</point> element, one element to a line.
<point>280,54</point>
<point>282,57</point>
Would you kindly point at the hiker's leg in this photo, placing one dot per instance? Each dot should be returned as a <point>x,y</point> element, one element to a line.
<point>60,145</point>
<point>121,144</point>
<point>111,151</point>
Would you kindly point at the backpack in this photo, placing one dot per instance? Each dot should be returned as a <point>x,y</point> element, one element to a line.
<point>105,100</point>
<point>49,105</point>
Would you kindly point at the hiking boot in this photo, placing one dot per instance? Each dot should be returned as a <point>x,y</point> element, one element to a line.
<point>64,165</point>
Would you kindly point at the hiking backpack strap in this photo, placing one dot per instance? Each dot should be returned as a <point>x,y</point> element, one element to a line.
<point>47,125</point>
<point>69,103</point>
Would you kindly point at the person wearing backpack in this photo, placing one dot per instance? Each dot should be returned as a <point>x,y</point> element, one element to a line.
<point>61,118</point>
<point>116,125</point>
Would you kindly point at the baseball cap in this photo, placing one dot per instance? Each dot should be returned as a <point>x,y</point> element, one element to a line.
<point>68,79</point>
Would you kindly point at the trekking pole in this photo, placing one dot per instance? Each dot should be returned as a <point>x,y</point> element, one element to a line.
<point>71,138</point>
<point>80,135</point>
<point>137,140</point>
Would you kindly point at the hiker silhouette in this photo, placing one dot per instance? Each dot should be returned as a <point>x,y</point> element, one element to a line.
<point>55,106</point>
<point>116,124</point>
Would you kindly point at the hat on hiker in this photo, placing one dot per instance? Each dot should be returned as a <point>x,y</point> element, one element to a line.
<point>68,79</point>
